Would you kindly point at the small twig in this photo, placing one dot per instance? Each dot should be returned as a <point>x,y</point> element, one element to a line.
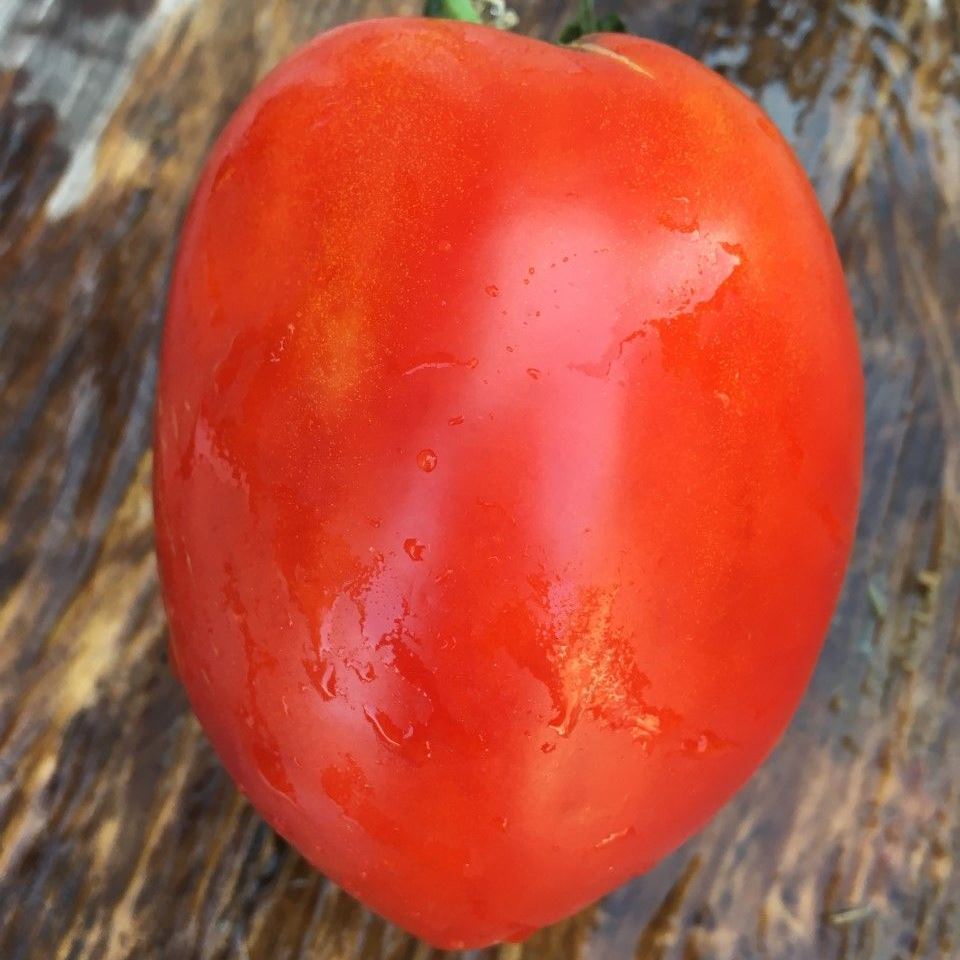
<point>929,580</point>
<point>851,915</point>
<point>452,10</point>
<point>878,599</point>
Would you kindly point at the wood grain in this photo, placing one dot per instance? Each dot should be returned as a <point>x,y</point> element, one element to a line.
<point>121,836</point>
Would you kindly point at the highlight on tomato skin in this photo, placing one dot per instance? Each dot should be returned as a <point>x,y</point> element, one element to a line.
<point>508,448</point>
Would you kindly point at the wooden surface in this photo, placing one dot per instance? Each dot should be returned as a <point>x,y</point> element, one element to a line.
<point>121,836</point>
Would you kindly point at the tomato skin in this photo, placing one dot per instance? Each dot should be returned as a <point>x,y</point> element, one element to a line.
<point>509,439</point>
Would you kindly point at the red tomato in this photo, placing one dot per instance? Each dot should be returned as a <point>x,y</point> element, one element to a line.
<point>508,451</point>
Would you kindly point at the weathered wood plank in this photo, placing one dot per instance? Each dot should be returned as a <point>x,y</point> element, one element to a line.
<point>120,835</point>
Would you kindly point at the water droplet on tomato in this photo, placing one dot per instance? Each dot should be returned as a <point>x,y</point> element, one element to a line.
<point>409,740</point>
<point>455,421</point>
<point>565,719</point>
<point>323,676</point>
<point>705,742</point>
<point>678,215</point>
<point>614,837</point>
<point>385,729</point>
<point>427,460</point>
<point>548,747</point>
<point>492,290</point>
<point>274,776</point>
<point>533,373</point>
<point>414,548</point>
<point>440,361</point>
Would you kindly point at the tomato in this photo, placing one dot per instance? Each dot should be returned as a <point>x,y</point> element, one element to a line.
<point>508,452</point>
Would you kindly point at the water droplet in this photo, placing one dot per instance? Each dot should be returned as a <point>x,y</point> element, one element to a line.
<point>679,216</point>
<point>548,747</point>
<point>386,729</point>
<point>440,361</point>
<point>533,373</point>
<point>531,271</point>
<point>492,290</point>
<point>374,521</point>
<point>323,675</point>
<point>455,421</point>
<point>705,742</point>
<point>414,548</point>
<point>409,739</point>
<point>565,719</point>
<point>613,837</point>
<point>427,460</point>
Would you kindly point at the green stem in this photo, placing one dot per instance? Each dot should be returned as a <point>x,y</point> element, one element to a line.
<point>588,16</point>
<point>452,10</point>
<point>588,22</point>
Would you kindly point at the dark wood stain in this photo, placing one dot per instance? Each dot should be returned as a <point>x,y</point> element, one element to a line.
<point>120,834</point>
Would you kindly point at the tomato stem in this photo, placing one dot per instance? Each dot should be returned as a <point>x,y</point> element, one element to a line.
<point>588,15</point>
<point>499,15</point>
<point>452,10</point>
<point>588,22</point>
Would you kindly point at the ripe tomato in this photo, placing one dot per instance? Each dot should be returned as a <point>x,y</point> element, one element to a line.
<point>508,452</point>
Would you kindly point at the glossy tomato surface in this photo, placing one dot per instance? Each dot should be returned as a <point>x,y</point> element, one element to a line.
<point>508,452</point>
